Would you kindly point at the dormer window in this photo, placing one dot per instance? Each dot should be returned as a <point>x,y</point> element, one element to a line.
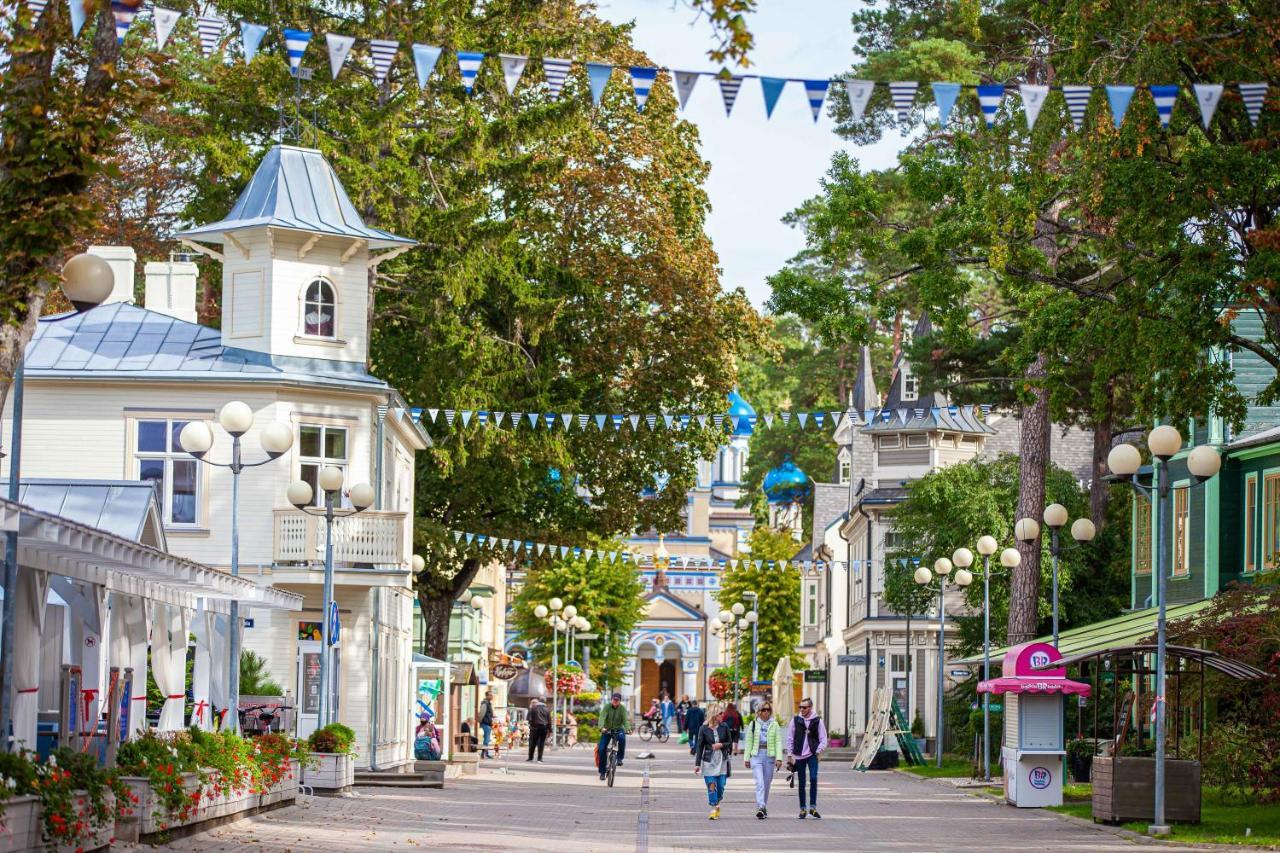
<point>910,384</point>
<point>319,310</point>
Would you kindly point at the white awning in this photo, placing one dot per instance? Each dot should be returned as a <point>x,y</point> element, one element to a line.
<point>54,544</point>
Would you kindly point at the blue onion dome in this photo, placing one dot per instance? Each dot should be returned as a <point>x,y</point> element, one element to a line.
<point>741,409</point>
<point>787,483</point>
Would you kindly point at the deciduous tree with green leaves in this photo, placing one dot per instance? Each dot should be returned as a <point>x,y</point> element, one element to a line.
<point>778,604</point>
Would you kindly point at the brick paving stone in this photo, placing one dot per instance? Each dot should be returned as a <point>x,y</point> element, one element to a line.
<point>656,805</point>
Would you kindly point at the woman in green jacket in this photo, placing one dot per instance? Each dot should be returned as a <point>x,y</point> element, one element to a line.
<point>764,754</point>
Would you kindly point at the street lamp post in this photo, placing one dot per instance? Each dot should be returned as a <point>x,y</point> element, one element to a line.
<point>942,567</point>
<point>753,617</point>
<point>1203,463</point>
<point>236,418</point>
<point>87,281</point>
<point>558,616</point>
<point>301,495</point>
<point>1055,518</point>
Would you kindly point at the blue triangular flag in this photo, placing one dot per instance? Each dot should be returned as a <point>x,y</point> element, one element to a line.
<point>729,87</point>
<point>1119,97</point>
<point>989,97</point>
<point>816,92</point>
<point>78,16</point>
<point>1164,96</point>
<point>425,57</point>
<point>945,95</point>
<point>597,76</point>
<point>123,14</point>
<point>295,44</point>
<point>469,67</point>
<point>772,88</point>
<point>642,82</point>
<point>251,37</point>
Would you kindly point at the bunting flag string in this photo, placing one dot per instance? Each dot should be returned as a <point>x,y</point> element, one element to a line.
<point>556,70</point>
<point>955,417</point>
<point>525,549</point>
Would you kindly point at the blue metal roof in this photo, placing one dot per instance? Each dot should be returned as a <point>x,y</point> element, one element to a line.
<point>121,341</point>
<point>296,188</point>
<point>119,507</point>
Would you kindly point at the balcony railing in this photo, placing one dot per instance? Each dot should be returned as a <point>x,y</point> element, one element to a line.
<point>370,537</point>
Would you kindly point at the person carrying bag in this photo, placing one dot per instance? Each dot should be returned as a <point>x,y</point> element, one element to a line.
<point>764,754</point>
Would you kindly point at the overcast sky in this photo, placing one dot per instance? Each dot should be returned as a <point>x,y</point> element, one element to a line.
<point>760,169</point>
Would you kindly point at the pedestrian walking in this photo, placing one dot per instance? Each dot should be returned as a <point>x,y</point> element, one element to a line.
<point>734,721</point>
<point>805,740</point>
<point>668,713</point>
<point>486,723</point>
<point>764,754</point>
<point>712,753</point>
<point>682,708</point>
<point>539,724</point>
<point>693,720</point>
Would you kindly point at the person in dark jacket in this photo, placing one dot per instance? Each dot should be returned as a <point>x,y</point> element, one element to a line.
<point>539,723</point>
<point>734,721</point>
<point>486,723</point>
<point>692,722</point>
<point>713,751</point>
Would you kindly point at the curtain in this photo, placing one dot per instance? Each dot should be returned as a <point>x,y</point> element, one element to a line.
<point>201,670</point>
<point>28,624</point>
<point>169,657</point>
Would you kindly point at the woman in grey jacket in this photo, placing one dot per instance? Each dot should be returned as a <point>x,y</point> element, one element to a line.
<point>712,751</point>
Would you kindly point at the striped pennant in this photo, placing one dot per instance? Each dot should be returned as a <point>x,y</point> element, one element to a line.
<point>903,94</point>
<point>642,80</point>
<point>123,13</point>
<point>1253,94</point>
<point>295,44</point>
<point>685,81</point>
<point>37,8</point>
<point>1118,97</point>
<point>1033,98</point>
<point>1207,96</point>
<point>383,53</point>
<point>816,92</point>
<point>469,67</point>
<point>556,71</point>
<point>729,87</point>
<point>1077,98</point>
<point>339,49</point>
<point>989,97</point>
<point>425,57</point>
<point>209,29</point>
<point>165,21</point>
<point>772,88</point>
<point>513,66</point>
<point>945,94</point>
<point>1164,96</point>
<point>598,74</point>
<point>251,36</point>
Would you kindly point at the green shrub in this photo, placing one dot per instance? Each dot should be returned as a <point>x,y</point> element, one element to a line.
<point>334,737</point>
<point>588,734</point>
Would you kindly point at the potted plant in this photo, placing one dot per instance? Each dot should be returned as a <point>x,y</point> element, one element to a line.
<point>836,739</point>
<point>1080,753</point>
<point>917,732</point>
<point>63,804</point>
<point>333,762</point>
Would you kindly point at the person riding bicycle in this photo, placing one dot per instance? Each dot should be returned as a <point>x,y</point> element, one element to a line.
<point>654,713</point>
<point>614,723</point>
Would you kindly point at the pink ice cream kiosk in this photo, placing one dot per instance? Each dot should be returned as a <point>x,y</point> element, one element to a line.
<point>1033,749</point>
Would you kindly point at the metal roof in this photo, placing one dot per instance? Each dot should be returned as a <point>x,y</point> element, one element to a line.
<point>296,188</point>
<point>1266,436</point>
<point>1233,668</point>
<point>1114,633</point>
<point>120,507</point>
<point>911,418</point>
<point>122,341</point>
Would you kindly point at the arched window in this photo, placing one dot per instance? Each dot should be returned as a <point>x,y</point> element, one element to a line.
<point>319,310</point>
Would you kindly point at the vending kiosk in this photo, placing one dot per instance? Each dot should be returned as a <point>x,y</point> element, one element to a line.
<point>1033,749</point>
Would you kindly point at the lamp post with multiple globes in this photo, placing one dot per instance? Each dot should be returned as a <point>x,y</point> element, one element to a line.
<point>924,577</point>
<point>301,496</point>
<point>196,438</point>
<point>558,615</point>
<point>1203,463</point>
<point>1055,518</point>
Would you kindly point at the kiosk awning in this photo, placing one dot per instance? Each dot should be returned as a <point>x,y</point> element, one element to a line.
<point>62,547</point>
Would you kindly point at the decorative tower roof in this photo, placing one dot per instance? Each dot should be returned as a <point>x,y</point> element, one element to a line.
<point>787,483</point>
<point>865,395</point>
<point>742,410</point>
<point>297,189</point>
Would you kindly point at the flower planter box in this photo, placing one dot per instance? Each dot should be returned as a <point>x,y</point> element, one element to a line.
<point>286,790</point>
<point>20,827</point>
<point>333,771</point>
<point>1124,789</point>
<point>100,834</point>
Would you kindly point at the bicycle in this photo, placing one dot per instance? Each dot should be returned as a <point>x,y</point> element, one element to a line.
<point>648,730</point>
<point>260,723</point>
<point>611,757</point>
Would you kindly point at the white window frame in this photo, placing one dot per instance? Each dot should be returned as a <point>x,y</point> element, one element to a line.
<point>333,292</point>
<point>322,460</point>
<point>910,384</point>
<point>168,456</point>
<point>888,442</point>
<point>920,440</point>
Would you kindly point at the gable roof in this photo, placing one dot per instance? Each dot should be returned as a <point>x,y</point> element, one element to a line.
<point>124,508</point>
<point>296,188</point>
<point>929,411</point>
<point>680,605</point>
<point>123,341</point>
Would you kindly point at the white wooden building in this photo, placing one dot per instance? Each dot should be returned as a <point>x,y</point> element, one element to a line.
<point>108,391</point>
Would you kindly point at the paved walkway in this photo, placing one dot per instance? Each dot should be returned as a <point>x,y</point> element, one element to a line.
<point>560,806</point>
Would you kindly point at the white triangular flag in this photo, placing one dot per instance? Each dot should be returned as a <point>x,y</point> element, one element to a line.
<point>513,66</point>
<point>1033,98</point>
<point>165,21</point>
<point>685,81</point>
<point>339,50</point>
<point>384,53</point>
<point>859,95</point>
<point>1207,96</point>
<point>556,71</point>
<point>567,420</point>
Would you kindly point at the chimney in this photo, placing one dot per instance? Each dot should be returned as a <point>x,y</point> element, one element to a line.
<point>123,261</point>
<point>171,289</point>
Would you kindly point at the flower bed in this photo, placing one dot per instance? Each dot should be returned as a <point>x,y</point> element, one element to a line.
<point>66,803</point>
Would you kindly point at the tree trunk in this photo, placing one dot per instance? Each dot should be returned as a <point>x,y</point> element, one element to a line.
<point>1099,490</point>
<point>1024,587</point>
<point>436,595</point>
